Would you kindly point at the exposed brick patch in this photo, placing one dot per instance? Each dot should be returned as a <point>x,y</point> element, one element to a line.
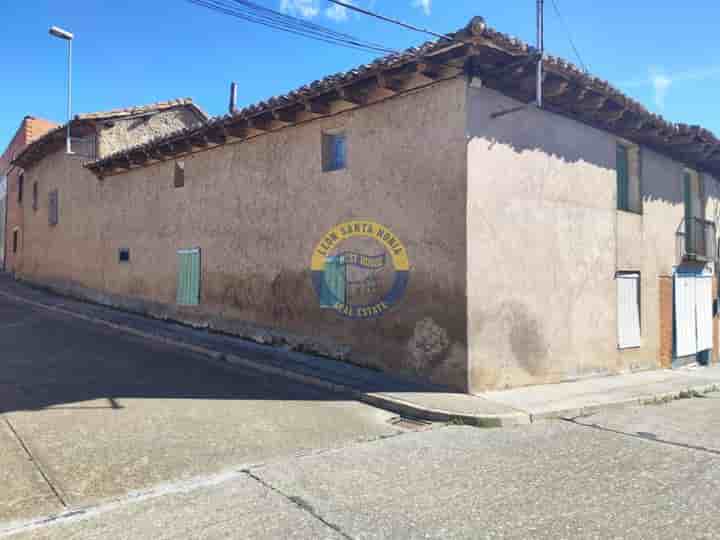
<point>666,321</point>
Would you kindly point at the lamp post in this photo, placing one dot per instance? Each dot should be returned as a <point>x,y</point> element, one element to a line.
<point>67,36</point>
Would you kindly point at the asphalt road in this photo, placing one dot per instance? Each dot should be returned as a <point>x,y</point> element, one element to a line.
<point>88,415</point>
<point>240,455</point>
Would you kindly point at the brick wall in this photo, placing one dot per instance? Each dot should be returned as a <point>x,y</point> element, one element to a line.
<point>666,320</point>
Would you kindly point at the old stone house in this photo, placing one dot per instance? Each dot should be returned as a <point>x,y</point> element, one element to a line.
<point>416,214</point>
<point>93,136</point>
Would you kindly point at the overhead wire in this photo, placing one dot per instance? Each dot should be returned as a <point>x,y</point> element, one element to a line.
<point>390,20</point>
<point>254,13</point>
<point>568,33</point>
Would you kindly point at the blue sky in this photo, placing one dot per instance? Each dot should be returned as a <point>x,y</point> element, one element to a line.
<point>665,54</point>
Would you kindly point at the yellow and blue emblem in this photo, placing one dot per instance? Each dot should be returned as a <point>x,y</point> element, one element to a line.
<point>360,269</point>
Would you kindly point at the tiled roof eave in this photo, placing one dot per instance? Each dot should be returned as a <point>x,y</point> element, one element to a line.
<point>504,63</point>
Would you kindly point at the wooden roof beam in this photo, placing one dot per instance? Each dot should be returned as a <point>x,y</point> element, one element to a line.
<point>239,130</point>
<point>388,82</point>
<point>555,87</point>
<point>316,107</point>
<point>260,123</point>
<point>217,135</point>
<point>287,116</point>
<point>610,113</point>
<point>351,96</point>
<point>591,103</point>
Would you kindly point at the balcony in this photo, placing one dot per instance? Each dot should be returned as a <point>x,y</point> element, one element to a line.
<point>696,240</point>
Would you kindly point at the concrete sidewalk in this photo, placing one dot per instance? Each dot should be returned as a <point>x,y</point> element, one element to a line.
<point>409,398</point>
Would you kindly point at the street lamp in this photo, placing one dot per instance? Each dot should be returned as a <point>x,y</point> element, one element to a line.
<point>67,36</point>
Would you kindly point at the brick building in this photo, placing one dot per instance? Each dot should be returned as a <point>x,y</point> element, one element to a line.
<point>30,129</point>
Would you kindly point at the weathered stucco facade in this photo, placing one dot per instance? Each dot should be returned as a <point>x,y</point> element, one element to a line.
<point>510,221</point>
<point>258,209</point>
<point>547,241</point>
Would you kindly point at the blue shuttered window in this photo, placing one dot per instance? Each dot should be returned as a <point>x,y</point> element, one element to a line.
<point>333,285</point>
<point>188,289</point>
<point>334,151</point>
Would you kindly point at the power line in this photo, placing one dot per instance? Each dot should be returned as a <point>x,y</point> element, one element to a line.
<point>393,21</point>
<point>254,13</point>
<point>257,14</point>
<point>294,20</point>
<point>569,35</point>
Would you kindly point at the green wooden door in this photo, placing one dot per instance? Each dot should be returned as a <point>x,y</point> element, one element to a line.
<point>333,285</point>
<point>188,289</point>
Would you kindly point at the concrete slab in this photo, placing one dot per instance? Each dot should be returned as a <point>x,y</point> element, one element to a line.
<point>551,480</point>
<point>694,423</point>
<point>23,490</point>
<point>580,397</point>
<point>239,508</point>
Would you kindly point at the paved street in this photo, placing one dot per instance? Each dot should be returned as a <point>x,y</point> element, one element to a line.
<point>109,436</point>
<point>103,413</point>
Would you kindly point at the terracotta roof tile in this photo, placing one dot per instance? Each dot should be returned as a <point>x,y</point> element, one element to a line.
<point>476,33</point>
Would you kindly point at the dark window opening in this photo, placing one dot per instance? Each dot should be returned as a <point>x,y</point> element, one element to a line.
<point>53,211</point>
<point>334,151</point>
<point>21,186</point>
<point>124,255</point>
<point>179,174</point>
<point>15,241</point>
<point>35,196</point>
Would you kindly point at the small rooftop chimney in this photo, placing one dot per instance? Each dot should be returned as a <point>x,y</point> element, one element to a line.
<point>233,98</point>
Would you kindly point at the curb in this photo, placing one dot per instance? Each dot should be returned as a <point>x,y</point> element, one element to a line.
<point>648,399</point>
<point>405,408</point>
<point>383,401</point>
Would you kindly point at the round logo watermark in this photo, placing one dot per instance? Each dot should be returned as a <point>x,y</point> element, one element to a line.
<point>360,269</point>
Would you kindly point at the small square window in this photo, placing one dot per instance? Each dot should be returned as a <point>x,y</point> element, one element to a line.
<point>124,255</point>
<point>179,178</point>
<point>334,150</point>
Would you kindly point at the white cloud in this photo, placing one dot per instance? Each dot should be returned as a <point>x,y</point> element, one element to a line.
<point>305,8</point>
<point>425,5</point>
<point>661,84</point>
<point>337,13</point>
<point>661,81</point>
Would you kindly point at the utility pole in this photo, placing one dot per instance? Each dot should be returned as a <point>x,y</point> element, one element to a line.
<point>541,51</point>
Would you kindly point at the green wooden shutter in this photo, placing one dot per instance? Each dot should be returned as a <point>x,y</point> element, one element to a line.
<point>333,285</point>
<point>188,290</point>
<point>623,179</point>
